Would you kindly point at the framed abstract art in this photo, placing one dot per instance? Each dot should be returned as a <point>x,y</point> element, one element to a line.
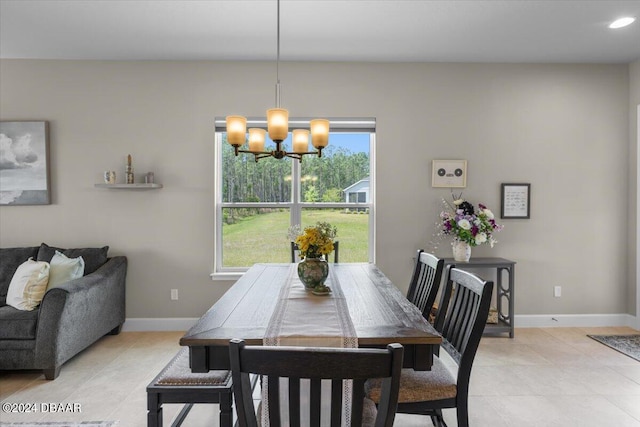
<point>24,163</point>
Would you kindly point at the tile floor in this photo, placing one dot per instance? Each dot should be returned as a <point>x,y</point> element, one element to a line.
<point>543,377</point>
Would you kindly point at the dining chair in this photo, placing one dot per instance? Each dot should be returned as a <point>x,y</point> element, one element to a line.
<point>295,249</point>
<point>425,282</point>
<point>316,364</point>
<point>463,312</point>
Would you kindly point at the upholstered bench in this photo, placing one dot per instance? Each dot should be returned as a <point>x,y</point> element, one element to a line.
<point>177,384</point>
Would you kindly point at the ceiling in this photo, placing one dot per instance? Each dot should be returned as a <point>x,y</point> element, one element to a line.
<point>553,31</point>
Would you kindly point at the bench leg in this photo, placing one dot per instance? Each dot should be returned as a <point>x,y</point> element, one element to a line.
<point>154,411</point>
<point>226,412</point>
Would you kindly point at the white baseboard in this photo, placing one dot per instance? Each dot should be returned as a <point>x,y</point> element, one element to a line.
<point>159,324</point>
<point>574,320</point>
<point>521,321</point>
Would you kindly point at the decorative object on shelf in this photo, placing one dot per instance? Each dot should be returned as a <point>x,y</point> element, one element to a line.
<point>315,243</point>
<point>129,170</point>
<point>469,226</point>
<point>24,169</point>
<point>278,127</point>
<point>449,173</point>
<point>109,177</point>
<point>516,199</point>
<point>149,178</point>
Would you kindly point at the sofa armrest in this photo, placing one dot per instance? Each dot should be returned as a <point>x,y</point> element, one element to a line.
<point>77,313</point>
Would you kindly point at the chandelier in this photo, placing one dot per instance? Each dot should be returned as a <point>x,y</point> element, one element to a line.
<point>278,128</point>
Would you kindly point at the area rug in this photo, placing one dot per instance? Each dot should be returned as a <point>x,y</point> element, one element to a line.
<point>625,344</point>
<point>63,424</point>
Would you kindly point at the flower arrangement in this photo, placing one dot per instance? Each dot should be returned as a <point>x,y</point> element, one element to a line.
<point>465,223</point>
<point>314,241</point>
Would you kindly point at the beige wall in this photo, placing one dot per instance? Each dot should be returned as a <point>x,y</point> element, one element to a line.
<point>634,104</point>
<point>562,128</point>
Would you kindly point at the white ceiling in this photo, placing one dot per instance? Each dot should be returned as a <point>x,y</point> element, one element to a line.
<point>321,30</point>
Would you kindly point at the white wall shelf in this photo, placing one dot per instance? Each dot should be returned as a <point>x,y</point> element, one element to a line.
<point>141,186</point>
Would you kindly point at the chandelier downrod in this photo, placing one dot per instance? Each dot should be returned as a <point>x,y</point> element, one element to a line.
<point>278,59</point>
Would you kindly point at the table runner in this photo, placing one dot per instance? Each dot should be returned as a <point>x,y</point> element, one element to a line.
<point>326,318</point>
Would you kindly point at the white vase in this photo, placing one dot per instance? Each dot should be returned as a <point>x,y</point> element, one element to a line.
<point>461,251</point>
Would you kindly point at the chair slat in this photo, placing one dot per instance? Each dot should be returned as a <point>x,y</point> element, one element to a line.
<point>315,401</point>
<point>336,403</point>
<point>273,385</point>
<point>357,401</point>
<point>294,401</point>
<point>461,304</point>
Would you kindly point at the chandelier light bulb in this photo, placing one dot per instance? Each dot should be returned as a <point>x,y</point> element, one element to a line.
<point>300,140</point>
<point>256,139</point>
<point>319,132</point>
<point>236,130</point>
<point>622,22</point>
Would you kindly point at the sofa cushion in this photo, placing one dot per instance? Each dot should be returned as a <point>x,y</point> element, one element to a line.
<point>64,269</point>
<point>17,324</point>
<point>93,257</point>
<point>28,285</point>
<point>10,259</point>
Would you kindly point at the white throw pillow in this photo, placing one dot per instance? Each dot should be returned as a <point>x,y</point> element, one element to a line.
<point>64,269</point>
<point>28,285</point>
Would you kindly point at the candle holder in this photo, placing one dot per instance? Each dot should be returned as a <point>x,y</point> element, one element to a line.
<point>129,171</point>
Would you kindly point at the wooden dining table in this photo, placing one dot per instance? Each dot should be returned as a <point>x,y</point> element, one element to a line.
<point>378,310</point>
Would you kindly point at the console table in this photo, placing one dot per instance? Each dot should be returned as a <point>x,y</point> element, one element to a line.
<point>505,319</point>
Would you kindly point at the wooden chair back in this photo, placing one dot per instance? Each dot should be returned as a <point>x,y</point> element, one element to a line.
<point>295,249</point>
<point>425,282</point>
<point>462,316</point>
<point>315,364</point>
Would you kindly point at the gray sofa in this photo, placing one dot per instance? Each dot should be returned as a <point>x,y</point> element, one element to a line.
<point>70,318</point>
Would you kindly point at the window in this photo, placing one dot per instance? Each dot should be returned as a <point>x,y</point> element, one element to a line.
<point>257,202</point>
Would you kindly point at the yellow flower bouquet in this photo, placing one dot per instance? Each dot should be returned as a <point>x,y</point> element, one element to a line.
<point>315,241</point>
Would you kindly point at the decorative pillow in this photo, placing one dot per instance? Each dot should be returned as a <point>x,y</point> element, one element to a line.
<point>10,260</point>
<point>64,269</point>
<point>28,285</point>
<point>93,257</point>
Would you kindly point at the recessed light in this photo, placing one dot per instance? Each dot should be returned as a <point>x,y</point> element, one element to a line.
<point>622,22</point>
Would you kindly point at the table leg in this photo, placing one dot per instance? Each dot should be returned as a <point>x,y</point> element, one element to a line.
<point>198,359</point>
<point>507,293</point>
<point>511,302</point>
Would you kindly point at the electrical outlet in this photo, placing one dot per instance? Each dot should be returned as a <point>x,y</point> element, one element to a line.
<point>174,295</point>
<point>557,291</point>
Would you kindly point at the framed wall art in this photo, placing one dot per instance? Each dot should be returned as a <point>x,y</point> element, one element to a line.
<point>24,163</point>
<point>516,199</point>
<point>449,173</point>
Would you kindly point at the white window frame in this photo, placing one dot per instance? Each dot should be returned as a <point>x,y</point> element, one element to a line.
<point>295,206</point>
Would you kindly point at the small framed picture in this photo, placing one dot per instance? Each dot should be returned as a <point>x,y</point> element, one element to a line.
<point>516,199</point>
<point>449,173</point>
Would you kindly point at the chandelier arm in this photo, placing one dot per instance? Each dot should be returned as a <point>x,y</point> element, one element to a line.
<point>297,156</point>
<point>262,156</point>
<point>254,152</point>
